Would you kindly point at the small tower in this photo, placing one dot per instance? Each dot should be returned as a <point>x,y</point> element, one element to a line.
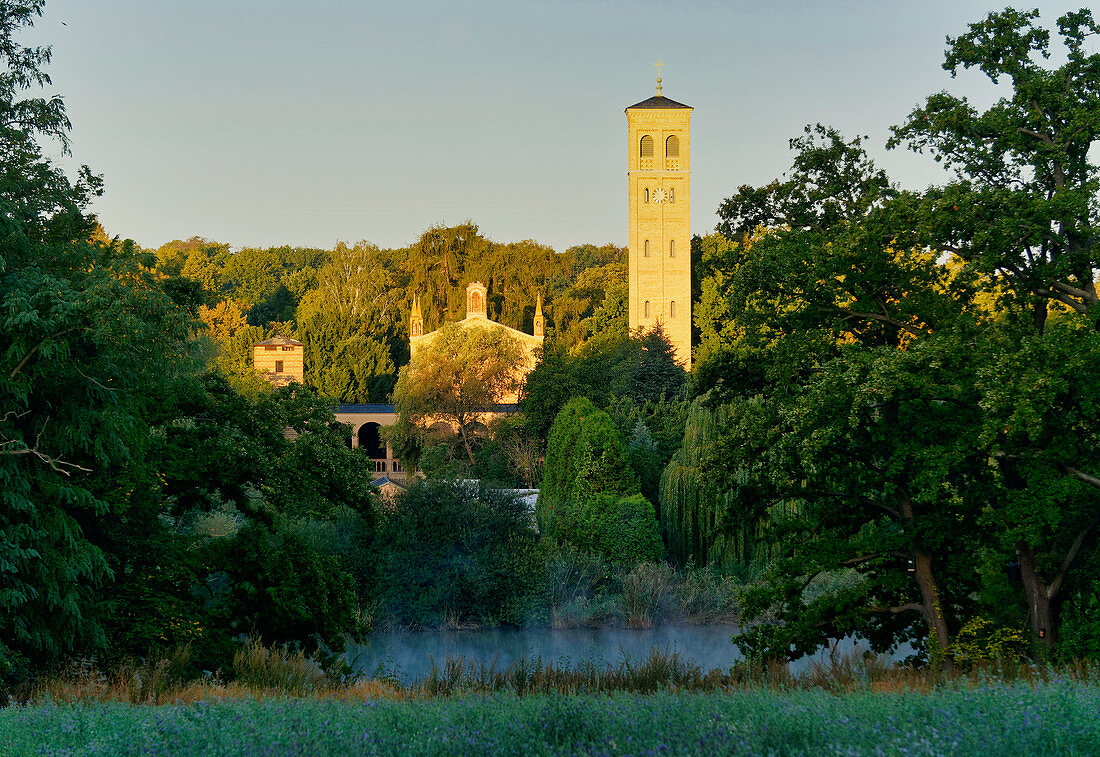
<point>416,318</point>
<point>540,321</point>
<point>280,360</point>
<point>475,300</point>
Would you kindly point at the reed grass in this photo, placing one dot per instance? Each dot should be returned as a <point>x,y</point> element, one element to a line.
<point>276,673</point>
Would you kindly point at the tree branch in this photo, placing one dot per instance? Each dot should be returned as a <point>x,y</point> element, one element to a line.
<point>1073,291</point>
<point>1080,475</point>
<point>1071,555</point>
<point>1057,296</point>
<point>56,464</point>
<point>883,319</point>
<point>911,606</point>
<point>19,366</point>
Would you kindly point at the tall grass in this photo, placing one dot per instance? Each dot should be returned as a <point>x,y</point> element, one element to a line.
<point>262,673</point>
<point>584,590</point>
<point>646,591</point>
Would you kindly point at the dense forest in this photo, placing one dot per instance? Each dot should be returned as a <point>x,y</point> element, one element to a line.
<point>351,305</point>
<point>890,428</point>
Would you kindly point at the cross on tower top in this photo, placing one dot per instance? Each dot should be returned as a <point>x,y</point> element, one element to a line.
<point>659,64</point>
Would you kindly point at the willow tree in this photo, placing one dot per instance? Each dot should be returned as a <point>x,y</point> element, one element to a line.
<point>694,507</point>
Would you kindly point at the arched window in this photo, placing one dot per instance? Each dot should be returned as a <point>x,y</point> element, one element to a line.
<point>646,148</point>
<point>647,194</point>
<point>672,147</point>
<point>646,309</point>
<point>671,194</point>
<point>672,309</point>
<point>370,441</point>
<point>672,248</point>
<point>646,249</point>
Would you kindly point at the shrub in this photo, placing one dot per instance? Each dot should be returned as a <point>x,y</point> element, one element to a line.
<point>590,497</point>
<point>281,589</point>
<point>455,550</point>
<point>584,454</point>
<point>705,595</point>
<point>276,668</point>
<point>979,640</point>
<point>646,593</point>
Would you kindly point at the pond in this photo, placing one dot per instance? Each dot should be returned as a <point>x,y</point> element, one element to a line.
<point>409,656</point>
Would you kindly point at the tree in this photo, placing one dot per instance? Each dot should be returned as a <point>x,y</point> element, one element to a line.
<point>877,452</point>
<point>831,424</point>
<point>1024,205</point>
<point>589,496</point>
<point>223,320</point>
<point>452,549</point>
<point>640,368</point>
<point>458,375</point>
<point>234,490</point>
<point>696,512</point>
<point>90,343</point>
<point>844,317</point>
<point>344,362</point>
<point>1023,212</point>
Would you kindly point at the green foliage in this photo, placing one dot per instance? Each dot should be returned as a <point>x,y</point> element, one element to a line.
<point>696,511</point>
<point>565,450</point>
<point>90,345</point>
<point>589,496</point>
<point>621,528</point>
<point>1023,207</point>
<point>342,362</point>
<point>281,590</point>
<point>455,551</point>
<point>913,410</point>
<point>460,373</point>
<point>979,640</point>
<point>639,369</point>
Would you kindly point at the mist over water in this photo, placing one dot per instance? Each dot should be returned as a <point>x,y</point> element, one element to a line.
<point>408,656</point>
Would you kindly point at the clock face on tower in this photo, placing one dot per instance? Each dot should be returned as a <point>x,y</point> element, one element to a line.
<point>660,195</point>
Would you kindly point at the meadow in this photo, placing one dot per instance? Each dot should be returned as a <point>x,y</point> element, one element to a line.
<point>1055,718</point>
<point>280,703</point>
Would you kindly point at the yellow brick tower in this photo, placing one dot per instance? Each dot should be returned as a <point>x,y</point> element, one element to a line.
<point>659,179</point>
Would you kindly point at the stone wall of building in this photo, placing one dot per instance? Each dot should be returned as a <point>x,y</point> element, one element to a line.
<point>280,360</point>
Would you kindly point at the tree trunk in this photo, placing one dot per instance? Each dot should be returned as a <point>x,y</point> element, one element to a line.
<point>1039,314</point>
<point>933,609</point>
<point>466,441</point>
<point>1038,598</point>
<point>930,593</point>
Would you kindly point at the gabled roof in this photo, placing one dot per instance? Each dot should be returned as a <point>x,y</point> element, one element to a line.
<point>659,101</point>
<point>477,319</point>
<point>279,341</point>
<point>387,481</point>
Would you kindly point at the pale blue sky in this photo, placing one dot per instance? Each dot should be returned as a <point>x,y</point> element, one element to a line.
<point>273,122</point>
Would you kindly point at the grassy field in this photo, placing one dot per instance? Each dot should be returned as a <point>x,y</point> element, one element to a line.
<point>1053,718</point>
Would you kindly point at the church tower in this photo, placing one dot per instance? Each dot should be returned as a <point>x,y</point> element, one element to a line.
<point>659,182</point>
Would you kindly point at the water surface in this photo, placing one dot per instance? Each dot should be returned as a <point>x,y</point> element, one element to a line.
<point>409,656</point>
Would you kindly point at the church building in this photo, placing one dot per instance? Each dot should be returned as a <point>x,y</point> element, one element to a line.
<point>477,317</point>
